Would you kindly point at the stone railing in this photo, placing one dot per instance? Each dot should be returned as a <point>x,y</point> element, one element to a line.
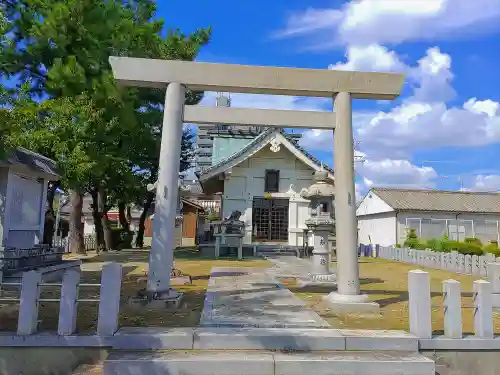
<point>486,301</point>
<point>452,262</point>
<point>29,300</point>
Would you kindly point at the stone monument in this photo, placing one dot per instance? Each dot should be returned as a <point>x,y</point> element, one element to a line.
<point>231,234</point>
<point>322,222</point>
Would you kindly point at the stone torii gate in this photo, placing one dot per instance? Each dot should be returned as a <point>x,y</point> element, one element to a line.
<point>177,76</point>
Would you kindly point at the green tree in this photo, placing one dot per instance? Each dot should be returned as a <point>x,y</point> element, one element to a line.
<point>60,48</point>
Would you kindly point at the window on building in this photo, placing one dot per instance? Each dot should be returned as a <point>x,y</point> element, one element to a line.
<point>272,181</point>
<point>413,224</point>
<point>433,228</point>
<point>486,230</point>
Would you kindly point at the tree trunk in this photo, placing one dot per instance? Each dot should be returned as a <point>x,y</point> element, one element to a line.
<point>129,214</point>
<point>96,215</point>
<point>76,244</point>
<point>122,216</point>
<point>139,241</point>
<point>108,240</point>
<point>50,217</point>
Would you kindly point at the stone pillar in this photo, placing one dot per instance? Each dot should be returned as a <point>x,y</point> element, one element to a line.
<point>320,265</point>
<point>161,255</point>
<point>345,205</point>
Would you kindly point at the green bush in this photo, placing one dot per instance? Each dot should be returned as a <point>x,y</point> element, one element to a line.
<point>420,246</point>
<point>475,241</point>
<point>411,239</point>
<point>492,248</point>
<point>469,248</point>
<point>398,245</point>
<point>121,238</point>
<point>436,244</point>
<point>450,245</point>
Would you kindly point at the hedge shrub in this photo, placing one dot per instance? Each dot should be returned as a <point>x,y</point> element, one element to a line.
<point>492,248</point>
<point>470,246</point>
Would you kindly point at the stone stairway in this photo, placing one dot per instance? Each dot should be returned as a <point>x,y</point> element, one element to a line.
<point>265,351</point>
<point>272,250</point>
<point>267,363</point>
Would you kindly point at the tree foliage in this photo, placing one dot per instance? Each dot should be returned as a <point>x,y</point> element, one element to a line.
<point>67,105</point>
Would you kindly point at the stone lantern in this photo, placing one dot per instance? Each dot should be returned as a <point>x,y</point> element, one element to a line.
<point>322,222</point>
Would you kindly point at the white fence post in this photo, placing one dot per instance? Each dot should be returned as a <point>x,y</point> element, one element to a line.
<point>28,303</point>
<point>442,261</point>
<point>69,305</point>
<point>109,305</point>
<point>483,309</point>
<point>419,303</point>
<point>461,263</point>
<point>452,305</point>
<point>475,265</point>
<point>483,264</point>
<point>490,258</point>
<point>468,264</point>
<point>494,279</point>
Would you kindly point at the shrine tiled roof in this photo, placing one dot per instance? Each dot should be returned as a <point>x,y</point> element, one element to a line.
<point>32,160</point>
<point>266,137</point>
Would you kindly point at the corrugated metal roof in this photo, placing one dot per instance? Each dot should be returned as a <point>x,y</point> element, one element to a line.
<point>439,200</point>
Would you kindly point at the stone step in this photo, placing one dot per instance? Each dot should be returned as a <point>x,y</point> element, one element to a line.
<point>291,339</point>
<point>276,253</point>
<point>267,363</point>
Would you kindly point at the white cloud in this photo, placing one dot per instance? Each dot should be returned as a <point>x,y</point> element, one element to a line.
<point>488,107</point>
<point>388,172</point>
<point>431,77</point>
<point>388,139</point>
<point>364,22</point>
<point>421,121</point>
<point>371,58</point>
<point>489,183</point>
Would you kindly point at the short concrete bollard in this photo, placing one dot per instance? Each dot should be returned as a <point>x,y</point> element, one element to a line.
<point>483,309</point>
<point>28,303</point>
<point>452,305</point>
<point>68,306</point>
<point>419,304</point>
<point>109,305</point>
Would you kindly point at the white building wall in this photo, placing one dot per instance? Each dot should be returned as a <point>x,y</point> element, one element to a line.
<point>372,204</point>
<point>377,229</point>
<point>246,181</point>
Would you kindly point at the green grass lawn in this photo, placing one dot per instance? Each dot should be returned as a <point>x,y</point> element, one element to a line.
<point>387,284</point>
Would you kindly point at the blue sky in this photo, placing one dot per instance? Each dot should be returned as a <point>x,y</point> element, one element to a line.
<point>444,130</point>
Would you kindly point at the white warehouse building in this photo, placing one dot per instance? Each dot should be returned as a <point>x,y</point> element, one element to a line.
<point>385,215</point>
